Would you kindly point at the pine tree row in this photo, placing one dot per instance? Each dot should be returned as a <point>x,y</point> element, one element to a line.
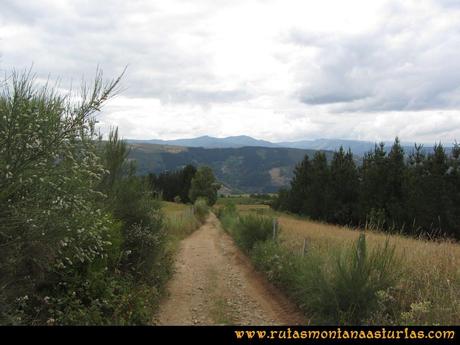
<point>416,193</point>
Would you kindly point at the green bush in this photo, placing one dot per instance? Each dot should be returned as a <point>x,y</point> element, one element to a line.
<point>132,204</point>
<point>201,209</point>
<point>81,242</point>
<point>228,216</point>
<point>144,244</point>
<point>204,185</point>
<point>252,228</point>
<point>53,227</point>
<point>115,300</point>
<point>229,222</point>
<point>230,208</point>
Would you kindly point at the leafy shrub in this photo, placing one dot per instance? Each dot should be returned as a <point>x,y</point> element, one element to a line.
<point>133,205</point>
<point>251,229</point>
<point>115,300</point>
<point>144,244</point>
<point>130,202</point>
<point>53,228</point>
<point>204,185</point>
<point>82,243</point>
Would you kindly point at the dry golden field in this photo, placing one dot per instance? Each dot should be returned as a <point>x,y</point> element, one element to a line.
<point>429,285</point>
<point>171,207</point>
<point>180,221</point>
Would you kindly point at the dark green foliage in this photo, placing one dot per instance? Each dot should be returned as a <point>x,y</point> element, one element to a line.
<point>416,195</point>
<point>132,204</point>
<point>282,201</point>
<point>310,192</point>
<point>373,175</point>
<point>299,200</point>
<point>344,182</point>
<point>318,193</point>
<point>187,174</point>
<point>173,185</point>
<point>204,185</point>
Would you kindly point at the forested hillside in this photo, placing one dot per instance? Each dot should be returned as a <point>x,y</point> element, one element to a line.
<point>246,169</point>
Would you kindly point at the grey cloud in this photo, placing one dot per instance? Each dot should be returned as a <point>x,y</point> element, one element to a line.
<point>330,98</point>
<point>174,87</point>
<point>70,39</point>
<point>399,66</point>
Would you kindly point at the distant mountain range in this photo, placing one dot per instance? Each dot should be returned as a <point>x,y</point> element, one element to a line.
<point>358,147</point>
<point>211,142</point>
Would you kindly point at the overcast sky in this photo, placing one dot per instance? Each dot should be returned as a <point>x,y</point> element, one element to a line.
<point>275,70</point>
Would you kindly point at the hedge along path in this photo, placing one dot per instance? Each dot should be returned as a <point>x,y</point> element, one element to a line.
<point>214,283</point>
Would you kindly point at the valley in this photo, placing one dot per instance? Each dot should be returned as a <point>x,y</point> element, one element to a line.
<point>240,170</point>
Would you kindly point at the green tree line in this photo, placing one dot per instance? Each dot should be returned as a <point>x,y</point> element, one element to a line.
<point>185,185</point>
<point>416,193</point>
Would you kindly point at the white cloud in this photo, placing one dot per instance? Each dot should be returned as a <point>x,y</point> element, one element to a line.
<point>277,70</point>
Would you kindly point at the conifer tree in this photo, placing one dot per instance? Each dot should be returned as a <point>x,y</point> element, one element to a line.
<point>395,198</point>
<point>344,184</point>
<point>319,191</point>
<point>298,196</point>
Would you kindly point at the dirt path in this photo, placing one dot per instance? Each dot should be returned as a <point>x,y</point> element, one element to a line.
<point>215,283</point>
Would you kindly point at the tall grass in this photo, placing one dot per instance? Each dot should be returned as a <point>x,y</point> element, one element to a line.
<point>358,278</point>
<point>348,277</point>
<point>427,290</point>
<point>344,292</point>
<point>180,224</point>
